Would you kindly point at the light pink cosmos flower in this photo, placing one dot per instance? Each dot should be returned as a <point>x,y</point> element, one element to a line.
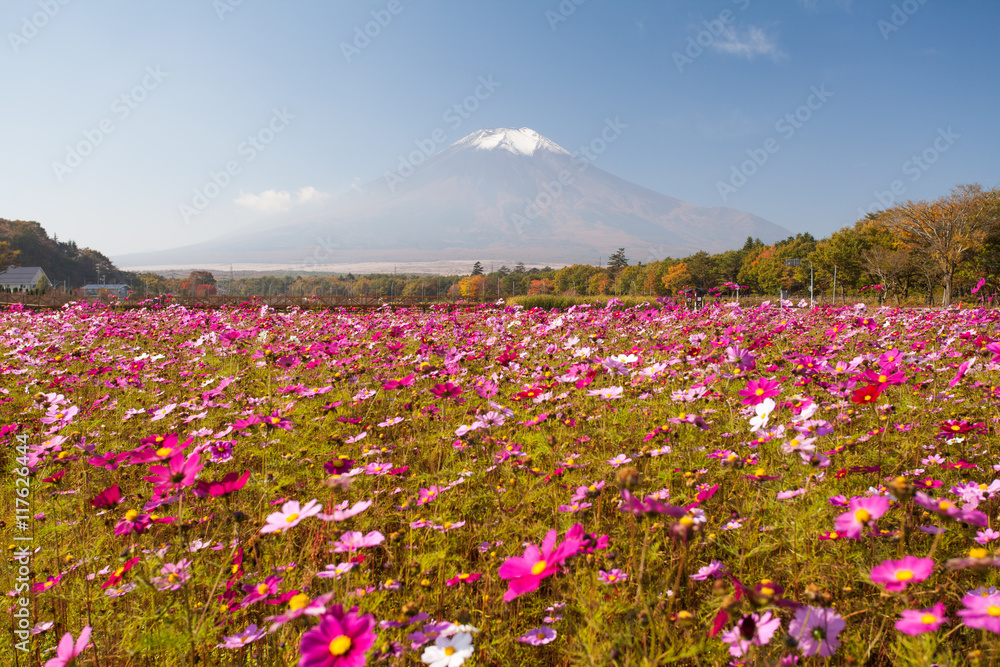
<point>861,510</point>
<point>342,513</point>
<point>291,515</point>
<point>67,650</point>
<point>353,540</point>
<point>896,574</point>
<point>526,572</point>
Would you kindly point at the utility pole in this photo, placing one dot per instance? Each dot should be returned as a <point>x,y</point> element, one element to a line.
<point>834,284</point>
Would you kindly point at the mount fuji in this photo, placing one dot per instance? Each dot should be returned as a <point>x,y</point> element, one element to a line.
<point>496,194</point>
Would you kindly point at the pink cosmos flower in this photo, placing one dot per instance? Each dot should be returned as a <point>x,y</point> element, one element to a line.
<point>896,574</point>
<point>340,640</point>
<point>241,639</point>
<point>107,498</point>
<point>757,391</point>
<point>230,483</point>
<point>291,515</point>
<point>342,513</point>
<point>861,511</point>
<point>464,578</point>
<point>613,577</point>
<point>981,611</point>
<point>751,630</point>
<point>67,650</point>
<point>178,473</point>
<point>526,572</point>
<point>353,540</point>
<point>918,621</point>
<point>816,630</point>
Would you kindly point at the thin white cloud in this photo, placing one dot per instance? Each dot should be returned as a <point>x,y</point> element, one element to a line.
<point>749,43</point>
<point>310,195</point>
<point>269,201</point>
<point>279,201</point>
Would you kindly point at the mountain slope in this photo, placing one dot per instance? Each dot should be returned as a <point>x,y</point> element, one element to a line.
<point>498,193</point>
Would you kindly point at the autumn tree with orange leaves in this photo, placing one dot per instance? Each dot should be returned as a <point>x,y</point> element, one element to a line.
<point>946,229</point>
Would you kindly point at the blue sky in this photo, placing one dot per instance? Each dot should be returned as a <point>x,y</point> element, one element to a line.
<point>833,98</point>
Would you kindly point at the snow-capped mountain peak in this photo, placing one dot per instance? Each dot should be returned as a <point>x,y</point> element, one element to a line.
<point>524,141</point>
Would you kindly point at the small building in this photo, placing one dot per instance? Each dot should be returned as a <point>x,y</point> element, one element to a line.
<point>120,291</point>
<point>22,278</point>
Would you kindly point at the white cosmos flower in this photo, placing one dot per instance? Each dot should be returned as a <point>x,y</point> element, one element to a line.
<point>763,410</point>
<point>448,651</point>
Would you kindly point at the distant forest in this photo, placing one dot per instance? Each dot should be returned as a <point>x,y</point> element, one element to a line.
<point>25,243</point>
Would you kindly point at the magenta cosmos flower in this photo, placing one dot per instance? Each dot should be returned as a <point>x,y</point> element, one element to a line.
<point>526,572</point>
<point>981,611</point>
<point>918,621</point>
<point>340,640</point>
<point>67,650</point>
<point>178,473</point>
<point>896,574</point>
<point>291,515</point>
<point>861,510</point>
<point>758,391</point>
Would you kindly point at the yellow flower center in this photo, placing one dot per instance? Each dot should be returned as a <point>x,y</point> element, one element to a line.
<point>340,645</point>
<point>463,576</point>
<point>767,591</point>
<point>928,619</point>
<point>759,392</point>
<point>977,553</point>
<point>172,577</point>
<point>131,515</point>
<point>449,651</point>
<point>262,589</point>
<point>539,567</point>
<point>592,488</point>
<point>569,462</point>
<point>120,571</point>
<point>904,575</point>
<point>993,610</point>
<point>943,505</point>
<point>163,451</point>
<point>956,427</point>
<point>292,517</point>
<point>833,535</point>
<point>446,524</point>
<point>612,577</point>
<point>686,521</point>
<point>863,516</point>
<point>982,487</point>
<point>882,378</point>
<point>298,602</point>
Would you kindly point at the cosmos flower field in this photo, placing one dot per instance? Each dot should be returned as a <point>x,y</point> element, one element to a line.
<point>498,486</point>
